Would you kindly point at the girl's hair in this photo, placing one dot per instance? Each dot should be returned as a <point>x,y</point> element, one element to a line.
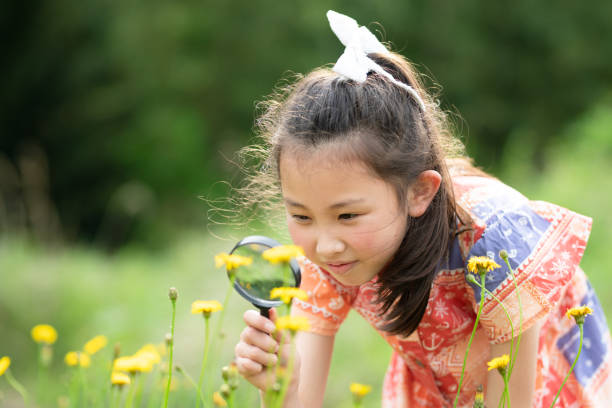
<point>382,125</point>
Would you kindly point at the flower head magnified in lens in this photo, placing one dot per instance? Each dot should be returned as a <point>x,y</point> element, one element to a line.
<point>5,363</point>
<point>578,313</point>
<point>481,264</point>
<point>286,294</point>
<point>282,253</point>
<point>232,262</point>
<point>44,333</point>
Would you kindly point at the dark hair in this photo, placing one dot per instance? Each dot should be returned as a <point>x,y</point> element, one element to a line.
<point>384,126</point>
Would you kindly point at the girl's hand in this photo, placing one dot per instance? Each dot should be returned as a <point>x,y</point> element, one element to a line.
<point>257,352</point>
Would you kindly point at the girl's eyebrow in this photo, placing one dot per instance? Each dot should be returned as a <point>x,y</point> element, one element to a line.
<point>334,206</point>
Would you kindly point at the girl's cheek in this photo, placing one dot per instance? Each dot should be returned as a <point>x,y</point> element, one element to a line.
<point>299,236</point>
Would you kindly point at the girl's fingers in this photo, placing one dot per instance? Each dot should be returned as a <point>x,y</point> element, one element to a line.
<point>248,367</point>
<point>247,351</point>
<point>257,321</point>
<point>259,339</point>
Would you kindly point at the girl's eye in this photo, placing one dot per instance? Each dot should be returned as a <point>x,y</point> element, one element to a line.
<point>300,218</point>
<point>347,216</point>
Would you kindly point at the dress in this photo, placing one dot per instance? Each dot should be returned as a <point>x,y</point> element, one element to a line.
<point>545,244</point>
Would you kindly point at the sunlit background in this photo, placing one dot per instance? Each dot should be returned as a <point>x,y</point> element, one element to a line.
<point>116,118</point>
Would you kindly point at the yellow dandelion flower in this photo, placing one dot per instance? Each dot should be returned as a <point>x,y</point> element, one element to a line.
<point>96,344</point>
<point>120,379</point>
<point>206,307</point>
<point>232,261</point>
<point>282,253</point>
<point>44,333</point>
<point>360,390</point>
<point>133,364</point>
<point>218,400</point>
<point>500,363</point>
<point>5,362</point>
<point>292,323</point>
<point>149,352</point>
<point>74,358</point>
<point>287,293</point>
<point>481,264</point>
<point>578,313</point>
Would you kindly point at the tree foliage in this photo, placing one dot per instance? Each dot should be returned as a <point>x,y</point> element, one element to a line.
<point>158,94</point>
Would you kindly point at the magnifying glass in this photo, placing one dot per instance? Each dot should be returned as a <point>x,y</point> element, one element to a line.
<point>255,281</point>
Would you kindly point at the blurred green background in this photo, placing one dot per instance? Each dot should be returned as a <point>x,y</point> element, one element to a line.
<point>116,117</point>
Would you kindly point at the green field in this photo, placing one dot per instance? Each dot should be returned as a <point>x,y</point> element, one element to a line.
<point>84,292</point>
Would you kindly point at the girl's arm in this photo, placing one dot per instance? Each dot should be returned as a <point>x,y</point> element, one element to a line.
<point>522,382</point>
<point>315,351</point>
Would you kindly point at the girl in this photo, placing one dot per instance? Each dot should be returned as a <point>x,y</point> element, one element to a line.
<point>388,211</point>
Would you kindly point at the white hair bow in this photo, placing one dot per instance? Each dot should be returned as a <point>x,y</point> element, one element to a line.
<point>359,42</point>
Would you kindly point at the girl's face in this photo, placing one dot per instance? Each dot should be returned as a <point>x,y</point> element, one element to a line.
<point>348,221</point>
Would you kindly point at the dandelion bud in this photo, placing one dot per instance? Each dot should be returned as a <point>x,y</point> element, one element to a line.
<point>503,254</point>
<point>233,383</point>
<point>173,294</point>
<point>225,390</point>
<point>178,368</point>
<point>471,279</point>
<point>229,372</point>
<point>117,351</point>
<point>169,339</point>
<point>479,398</point>
<point>276,387</point>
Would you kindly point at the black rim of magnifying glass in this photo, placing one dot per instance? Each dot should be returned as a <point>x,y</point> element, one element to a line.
<point>271,243</point>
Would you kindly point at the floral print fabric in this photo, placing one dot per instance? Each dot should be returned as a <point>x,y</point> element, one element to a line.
<point>545,243</point>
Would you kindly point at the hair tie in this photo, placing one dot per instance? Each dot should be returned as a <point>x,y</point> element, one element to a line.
<point>359,42</point>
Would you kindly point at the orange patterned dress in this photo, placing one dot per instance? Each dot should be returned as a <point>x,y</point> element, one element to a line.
<point>545,244</point>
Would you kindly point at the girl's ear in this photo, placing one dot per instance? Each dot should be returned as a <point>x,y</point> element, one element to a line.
<point>422,191</point>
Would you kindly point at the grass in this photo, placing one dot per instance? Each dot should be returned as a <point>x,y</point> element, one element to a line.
<point>84,292</point>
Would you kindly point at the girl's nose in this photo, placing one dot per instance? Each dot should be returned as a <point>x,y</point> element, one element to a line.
<point>328,245</point>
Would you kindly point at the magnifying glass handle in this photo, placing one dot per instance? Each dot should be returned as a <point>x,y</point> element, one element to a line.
<point>265,312</point>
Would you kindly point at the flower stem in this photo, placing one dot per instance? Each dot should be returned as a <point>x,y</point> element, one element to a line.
<point>170,354</point>
<point>116,395</point>
<point>289,372</point>
<point>192,382</point>
<point>480,306</point>
<point>129,400</point>
<point>513,346</point>
<point>17,386</point>
<point>206,344</point>
<point>82,385</point>
<point>571,368</point>
<point>217,334</point>
<point>518,295</point>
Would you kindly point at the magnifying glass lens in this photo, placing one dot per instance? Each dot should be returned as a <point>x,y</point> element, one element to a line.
<point>260,277</point>
<point>256,280</point>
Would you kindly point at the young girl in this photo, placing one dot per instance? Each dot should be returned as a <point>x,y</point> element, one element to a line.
<point>388,211</point>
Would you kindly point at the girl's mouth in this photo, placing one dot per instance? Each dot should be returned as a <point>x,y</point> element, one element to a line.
<point>340,268</point>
